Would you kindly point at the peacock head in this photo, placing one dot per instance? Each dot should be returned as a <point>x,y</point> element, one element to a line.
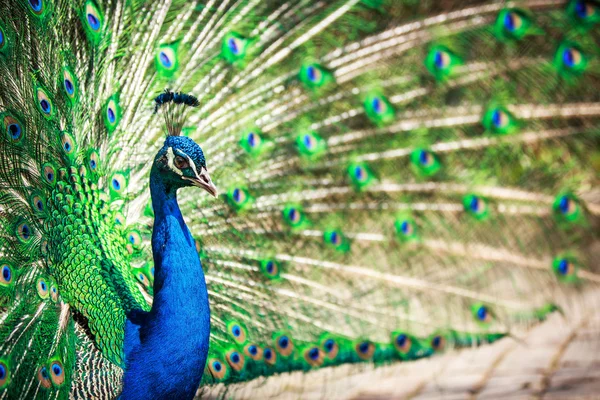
<point>181,163</point>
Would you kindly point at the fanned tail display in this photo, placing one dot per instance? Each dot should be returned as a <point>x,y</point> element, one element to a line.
<point>397,178</point>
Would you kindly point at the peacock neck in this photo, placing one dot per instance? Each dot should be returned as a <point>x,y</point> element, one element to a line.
<point>174,336</point>
<point>177,267</point>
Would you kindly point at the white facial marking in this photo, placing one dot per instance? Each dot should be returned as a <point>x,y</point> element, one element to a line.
<point>193,166</point>
<point>170,158</point>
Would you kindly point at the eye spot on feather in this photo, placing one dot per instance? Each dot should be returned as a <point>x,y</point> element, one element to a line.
<point>283,342</point>
<point>293,216</point>
<point>566,208</point>
<point>217,369</point>
<point>235,360</point>
<point>584,9</point>
<point>270,356</point>
<point>328,345</point>
<point>425,158</point>
<point>378,105</point>
<point>425,162</point>
<point>441,62</point>
<point>54,293</point>
<point>142,278</point>
<point>253,351</point>
<point>57,373</point>
<point>364,349</point>
<point>359,173</point>
<point>406,228</point>
<point>4,374</point>
<point>565,269</point>
<point>44,102</point>
<point>566,205</point>
<point>217,366</point>
<point>512,21</point>
<point>93,162</point>
<point>92,16</point>
<point>309,141</point>
<point>441,59</point>
<point>499,119</point>
<point>360,176</point>
<point>237,331</point>
<point>571,57</point>
<point>335,238</point>
<point>49,173</point>
<point>68,144</point>
<point>165,60</point>
<point>38,203</point>
<point>313,353</point>
<point>239,195</point>
<point>69,88</point>
<point>234,45</point>
<point>14,129</point>
<point>270,269</point>
<point>482,313</point>
<point>475,206</point>
<point>6,277</point>
<point>284,345</point>
<point>402,343</point>
<point>37,6</point>
<point>438,343</point>
<point>118,183</point>
<point>2,38</point>
<point>44,377</point>
<point>24,232</point>
<point>44,248</point>
<point>314,74</point>
<point>331,348</point>
<point>69,83</point>
<point>42,288</point>
<point>253,139</point>
<point>111,114</point>
<point>134,238</point>
<point>314,356</point>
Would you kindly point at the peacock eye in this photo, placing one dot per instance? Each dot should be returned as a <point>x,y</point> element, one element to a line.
<point>181,162</point>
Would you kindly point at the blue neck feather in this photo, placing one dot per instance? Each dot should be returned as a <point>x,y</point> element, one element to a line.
<point>166,349</point>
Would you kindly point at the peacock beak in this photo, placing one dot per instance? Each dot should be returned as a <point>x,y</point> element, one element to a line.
<point>203,181</point>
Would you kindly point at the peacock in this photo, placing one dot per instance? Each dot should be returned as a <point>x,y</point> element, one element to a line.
<point>397,179</point>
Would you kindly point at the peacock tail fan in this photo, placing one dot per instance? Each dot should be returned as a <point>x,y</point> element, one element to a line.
<point>399,178</point>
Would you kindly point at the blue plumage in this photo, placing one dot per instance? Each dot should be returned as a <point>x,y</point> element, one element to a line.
<point>158,343</point>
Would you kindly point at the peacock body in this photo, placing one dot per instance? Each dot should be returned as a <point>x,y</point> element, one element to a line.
<point>397,179</point>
